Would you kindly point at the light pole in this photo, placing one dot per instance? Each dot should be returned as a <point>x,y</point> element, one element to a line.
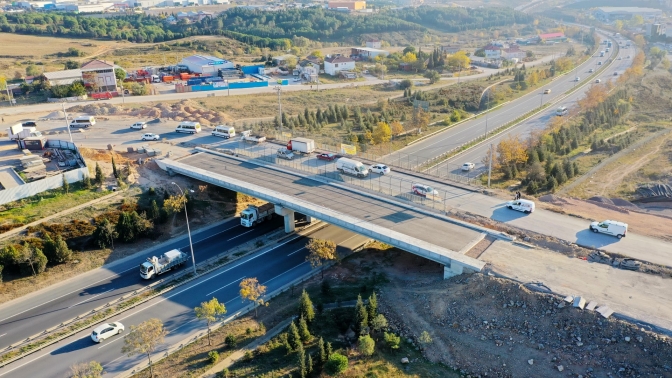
<point>67,126</point>
<point>541,99</point>
<point>191,246</point>
<point>279,90</point>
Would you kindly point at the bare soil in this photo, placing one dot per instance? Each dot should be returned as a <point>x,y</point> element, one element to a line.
<point>486,326</point>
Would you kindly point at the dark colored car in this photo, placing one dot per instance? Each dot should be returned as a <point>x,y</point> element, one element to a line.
<point>29,124</point>
<point>328,157</point>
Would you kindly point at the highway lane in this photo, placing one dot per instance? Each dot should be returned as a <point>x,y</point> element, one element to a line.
<point>274,266</point>
<point>30,315</point>
<point>477,153</point>
<point>456,136</point>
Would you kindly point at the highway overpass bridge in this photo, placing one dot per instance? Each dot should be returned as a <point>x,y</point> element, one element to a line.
<point>383,218</point>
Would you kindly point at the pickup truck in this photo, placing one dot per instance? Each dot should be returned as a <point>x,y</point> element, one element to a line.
<point>248,137</point>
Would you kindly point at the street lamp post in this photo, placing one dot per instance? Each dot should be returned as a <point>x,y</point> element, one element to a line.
<point>279,90</point>
<point>67,126</point>
<point>191,246</point>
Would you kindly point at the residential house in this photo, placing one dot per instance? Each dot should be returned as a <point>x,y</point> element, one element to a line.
<point>406,66</point>
<point>336,63</point>
<point>366,53</point>
<point>99,76</point>
<point>281,60</point>
<point>66,77</point>
<point>493,52</point>
<point>374,43</point>
<point>309,68</point>
<point>513,52</point>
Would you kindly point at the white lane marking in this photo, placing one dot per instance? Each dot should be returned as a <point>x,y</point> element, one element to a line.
<point>86,300</point>
<point>247,232</point>
<point>283,273</point>
<point>227,285</point>
<point>211,236</point>
<point>3,334</point>
<point>154,304</point>
<point>192,320</point>
<point>106,344</point>
<point>298,250</point>
<point>118,358</point>
<point>116,275</point>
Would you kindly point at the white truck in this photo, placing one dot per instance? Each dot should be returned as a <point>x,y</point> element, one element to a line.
<point>248,137</point>
<point>28,132</point>
<point>351,167</point>
<point>254,215</point>
<point>302,145</point>
<point>155,265</point>
<point>224,131</point>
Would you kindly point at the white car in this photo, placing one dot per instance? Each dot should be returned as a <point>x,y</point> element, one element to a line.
<point>468,166</point>
<point>424,190</point>
<point>139,125</point>
<point>297,79</point>
<point>105,331</point>
<point>591,70</point>
<point>150,136</point>
<point>577,79</point>
<point>598,81</point>
<point>380,168</point>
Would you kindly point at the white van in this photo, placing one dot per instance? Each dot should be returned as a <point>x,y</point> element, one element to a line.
<point>85,122</point>
<point>224,131</point>
<point>562,111</point>
<point>188,127</point>
<point>617,229</point>
<point>526,206</point>
<point>351,167</point>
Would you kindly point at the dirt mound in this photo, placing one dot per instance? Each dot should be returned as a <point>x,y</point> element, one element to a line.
<point>55,115</point>
<point>482,325</point>
<point>184,110</point>
<point>601,199</point>
<point>550,198</point>
<point>623,203</point>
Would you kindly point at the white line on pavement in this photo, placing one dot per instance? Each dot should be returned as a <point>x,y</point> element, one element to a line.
<point>227,285</point>
<point>285,272</point>
<point>106,344</point>
<point>298,250</point>
<point>88,299</point>
<point>3,334</point>
<point>118,358</point>
<point>247,232</point>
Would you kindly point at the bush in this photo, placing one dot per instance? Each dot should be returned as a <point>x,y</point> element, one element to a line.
<point>230,341</point>
<point>366,345</point>
<point>214,356</point>
<point>392,340</point>
<point>336,364</point>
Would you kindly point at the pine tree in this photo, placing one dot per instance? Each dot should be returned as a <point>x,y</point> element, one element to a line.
<point>306,307</point>
<point>114,168</point>
<point>99,175</point>
<point>124,227</point>
<point>86,181</point>
<point>293,337</point>
<point>309,364</point>
<point>304,333</point>
<point>66,185</point>
<point>361,315</point>
<point>372,306</point>
<point>321,353</point>
<point>153,212</point>
<point>301,361</point>
<point>330,351</point>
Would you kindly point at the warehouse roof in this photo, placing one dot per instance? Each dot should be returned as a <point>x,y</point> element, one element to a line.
<point>204,60</point>
<point>67,74</point>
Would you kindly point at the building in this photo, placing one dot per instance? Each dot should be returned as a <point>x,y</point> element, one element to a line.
<point>205,64</point>
<point>513,52</point>
<point>408,3</point>
<point>350,5</point>
<point>99,76</point>
<point>336,63</point>
<point>450,49</point>
<point>66,77</point>
<point>608,14</point>
<point>308,69</point>
<point>374,44</point>
<point>656,30</point>
<point>364,53</point>
<point>492,52</point>
<point>281,60</point>
<point>552,37</point>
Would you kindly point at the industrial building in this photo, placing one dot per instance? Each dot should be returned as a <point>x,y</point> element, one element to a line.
<point>350,5</point>
<point>608,14</point>
<point>205,64</point>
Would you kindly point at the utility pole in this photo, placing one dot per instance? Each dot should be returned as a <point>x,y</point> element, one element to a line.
<point>487,107</point>
<point>67,126</point>
<point>490,165</point>
<point>279,90</point>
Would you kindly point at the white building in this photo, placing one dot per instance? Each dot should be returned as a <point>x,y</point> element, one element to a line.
<point>513,52</point>
<point>493,52</point>
<point>99,75</point>
<point>608,14</point>
<point>336,63</point>
<point>66,77</point>
<point>367,52</point>
<point>205,64</point>
<point>374,43</point>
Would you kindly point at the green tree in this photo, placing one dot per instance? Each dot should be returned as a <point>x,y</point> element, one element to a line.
<point>366,345</point>
<point>309,364</point>
<point>379,323</point>
<point>336,364</point>
<point>405,84</point>
<point>144,339</point>
<point>210,311</point>
<point>104,234</point>
<point>321,352</point>
<point>91,369</point>
<point>58,250</point>
<point>119,74</point>
<point>293,337</point>
<point>306,309</point>
<point>35,258</point>
<point>253,291</point>
<point>86,181</point>
<point>361,315</point>
<point>372,306</point>
<point>301,362</point>
<point>32,70</point>
<point>99,175</point>
<point>230,340</point>
<point>66,185</point>
<point>125,230</point>
<point>114,169</point>
<point>154,212</point>
<point>71,65</point>
<point>433,76</point>
<point>320,251</point>
<point>392,340</point>
<point>304,333</point>
<point>425,338</point>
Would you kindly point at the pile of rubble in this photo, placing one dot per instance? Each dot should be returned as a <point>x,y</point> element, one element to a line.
<point>486,326</point>
<point>184,110</point>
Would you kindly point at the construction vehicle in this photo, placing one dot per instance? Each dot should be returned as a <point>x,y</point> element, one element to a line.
<point>254,215</point>
<point>155,266</point>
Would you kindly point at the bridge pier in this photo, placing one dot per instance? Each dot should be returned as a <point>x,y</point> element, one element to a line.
<point>309,219</point>
<point>455,269</point>
<point>288,214</point>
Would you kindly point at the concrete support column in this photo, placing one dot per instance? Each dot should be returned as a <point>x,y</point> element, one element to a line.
<point>309,219</point>
<point>455,269</point>
<point>288,214</point>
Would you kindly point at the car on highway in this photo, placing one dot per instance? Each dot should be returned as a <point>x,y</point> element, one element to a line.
<point>610,227</point>
<point>619,58</point>
<point>380,169</point>
<point>424,190</point>
<point>150,136</point>
<point>139,125</point>
<point>327,157</point>
<point>577,79</point>
<point>547,91</point>
<point>468,166</point>
<point>598,81</point>
<point>599,63</point>
<point>628,57</point>
<point>591,70</point>
<point>526,206</point>
<point>105,331</point>
<point>615,73</point>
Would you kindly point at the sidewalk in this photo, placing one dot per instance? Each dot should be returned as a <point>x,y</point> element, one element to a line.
<point>240,353</point>
<point>18,230</point>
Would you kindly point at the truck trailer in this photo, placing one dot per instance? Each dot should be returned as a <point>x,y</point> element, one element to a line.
<point>254,215</point>
<point>155,266</point>
<point>26,133</point>
<point>302,145</point>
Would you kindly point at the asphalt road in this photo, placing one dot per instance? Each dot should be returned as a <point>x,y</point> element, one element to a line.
<point>30,315</point>
<point>274,267</point>
<point>418,153</point>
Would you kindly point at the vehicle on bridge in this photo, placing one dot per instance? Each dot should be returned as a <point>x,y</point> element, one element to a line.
<point>302,145</point>
<point>615,228</point>
<point>327,156</point>
<point>351,167</point>
<point>224,131</point>
<point>284,153</point>
<point>380,169</point>
<point>155,266</point>
<point>468,166</point>
<point>248,137</point>
<point>254,215</point>
<point>424,190</point>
